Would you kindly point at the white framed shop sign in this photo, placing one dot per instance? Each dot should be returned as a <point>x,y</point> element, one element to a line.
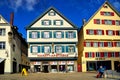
<point>70,62</point>
<point>53,63</point>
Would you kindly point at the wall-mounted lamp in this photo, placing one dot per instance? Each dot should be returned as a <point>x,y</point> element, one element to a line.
<point>10,36</point>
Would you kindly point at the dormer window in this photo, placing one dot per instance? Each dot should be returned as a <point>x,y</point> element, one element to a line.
<point>105,6</point>
<point>51,13</point>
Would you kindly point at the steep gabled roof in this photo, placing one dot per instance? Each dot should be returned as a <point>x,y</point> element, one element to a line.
<point>4,20</point>
<point>51,8</point>
<point>106,2</point>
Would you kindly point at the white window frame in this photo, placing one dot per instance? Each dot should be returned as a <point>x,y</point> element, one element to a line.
<point>118,44</point>
<point>2,32</point>
<point>34,49</point>
<point>70,34</point>
<point>112,54</point>
<point>91,32</point>
<point>46,49</point>
<point>105,54</point>
<point>71,49</point>
<point>110,32</point>
<point>46,22</point>
<point>58,49</point>
<point>95,44</point>
<point>34,34</point>
<point>109,44</point>
<point>97,54</point>
<point>101,44</point>
<point>58,22</point>
<point>2,45</point>
<point>88,44</point>
<point>58,34</point>
<point>99,32</point>
<point>46,34</point>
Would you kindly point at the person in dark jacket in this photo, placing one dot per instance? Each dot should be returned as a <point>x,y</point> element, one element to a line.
<point>101,71</point>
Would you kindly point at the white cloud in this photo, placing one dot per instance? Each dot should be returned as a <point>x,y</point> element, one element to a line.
<point>24,4</point>
<point>30,4</point>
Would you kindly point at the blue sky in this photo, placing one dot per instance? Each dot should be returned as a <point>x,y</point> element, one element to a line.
<point>25,11</point>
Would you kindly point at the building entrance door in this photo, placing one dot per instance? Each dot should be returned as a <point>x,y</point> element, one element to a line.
<point>45,68</point>
<point>2,67</point>
<point>14,67</point>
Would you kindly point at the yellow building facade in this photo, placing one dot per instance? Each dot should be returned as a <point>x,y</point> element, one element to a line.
<point>99,40</point>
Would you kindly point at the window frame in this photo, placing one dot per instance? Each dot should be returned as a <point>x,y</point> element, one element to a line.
<point>2,45</point>
<point>58,21</point>
<point>2,31</point>
<point>46,22</point>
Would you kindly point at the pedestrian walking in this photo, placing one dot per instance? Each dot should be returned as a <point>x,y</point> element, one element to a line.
<point>100,72</point>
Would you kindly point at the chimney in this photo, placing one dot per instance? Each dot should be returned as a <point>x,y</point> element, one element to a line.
<point>84,21</point>
<point>11,18</point>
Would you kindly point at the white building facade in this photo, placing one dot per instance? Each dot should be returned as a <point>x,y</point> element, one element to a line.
<point>52,43</point>
<point>10,48</point>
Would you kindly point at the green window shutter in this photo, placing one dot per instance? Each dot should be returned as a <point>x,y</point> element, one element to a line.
<point>74,34</point>
<point>38,34</point>
<point>67,48</point>
<point>74,49</point>
<point>42,35</point>
<point>66,34</point>
<point>50,49</point>
<point>62,34</point>
<point>38,49</point>
<point>55,49</point>
<point>61,22</point>
<point>42,22</point>
<point>50,34</point>
<point>63,50</point>
<point>49,22</point>
<point>54,34</point>
<point>42,49</point>
<point>54,22</point>
<point>30,34</point>
<point>31,49</point>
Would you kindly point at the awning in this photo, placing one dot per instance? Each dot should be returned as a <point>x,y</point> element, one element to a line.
<point>1,60</point>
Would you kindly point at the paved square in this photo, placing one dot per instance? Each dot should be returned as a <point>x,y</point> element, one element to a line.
<point>53,76</point>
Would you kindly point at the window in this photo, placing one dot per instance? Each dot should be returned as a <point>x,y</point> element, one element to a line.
<point>107,13</point>
<point>70,34</point>
<point>51,13</point>
<point>112,54</point>
<point>13,47</point>
<point>88,44</point>
<point>34,49</point>
<point>2,45</point>
<point>117,44</point>
<point>2,32</point>
<point>58,49</point>
<point>71,49</point>
<point>117,22</point>
<point>58,22</point>
<point>95,44</point>
<point>46,22</point>
<point>110,32</point>
<point>101,44</point>
<point>97,54</point>
<point>58,34</point>
<point>108,22</point>
<point>118,33</point>
<point>47,49</point>
<point>34,34</point>
<point>105,54</point>
<point>46,34</point>
<point>99,32</point>
<point>90,32</point>
<point>96,21</point>
<point>109,44</point>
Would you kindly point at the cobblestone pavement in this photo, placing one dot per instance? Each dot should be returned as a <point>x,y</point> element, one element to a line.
<point>53,76</point>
